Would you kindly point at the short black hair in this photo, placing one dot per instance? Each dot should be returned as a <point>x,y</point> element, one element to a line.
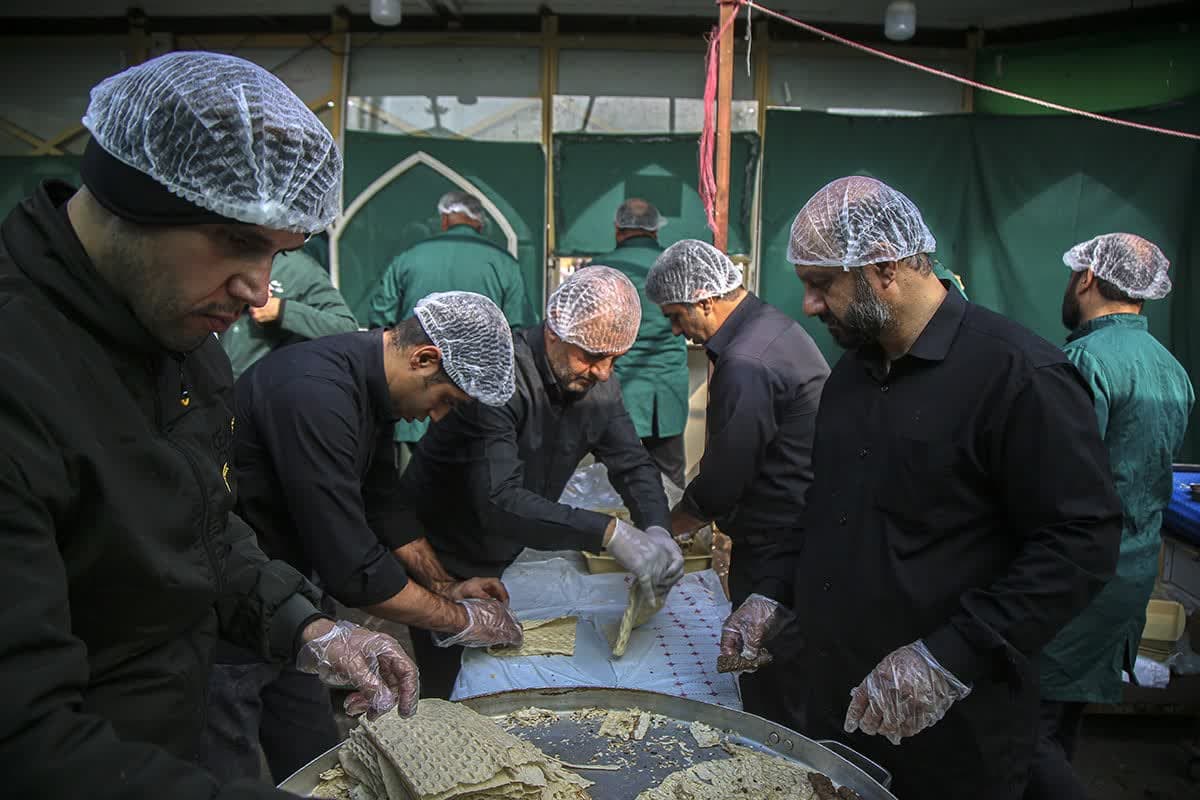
<point>409,333</point>
<point>1112,294</point>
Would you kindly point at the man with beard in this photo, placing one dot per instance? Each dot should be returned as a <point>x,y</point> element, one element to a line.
<point>962,511</point>
<point>123,561</point>
<point>1142,397</point>
<point>484,482</point>
<point>762,402</point>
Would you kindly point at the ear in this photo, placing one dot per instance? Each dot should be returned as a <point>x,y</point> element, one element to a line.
<point>1087,279</point>
<point>886,272</point>
<point>705,306</point>
<point>425,359</point>
<point>445,223</point>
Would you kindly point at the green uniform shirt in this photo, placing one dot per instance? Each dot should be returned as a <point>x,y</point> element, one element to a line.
<point>311,307</point>
<point>654,373</point>
<point>457,260</point>
<point>1142,398</point>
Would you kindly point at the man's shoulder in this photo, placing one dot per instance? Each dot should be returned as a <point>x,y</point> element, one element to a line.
<point>994,334</point>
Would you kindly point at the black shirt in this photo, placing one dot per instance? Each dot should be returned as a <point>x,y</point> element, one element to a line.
<point>316,467</point>
<point>962,497</point>
<point>485,480</point>
<point>762,405</point>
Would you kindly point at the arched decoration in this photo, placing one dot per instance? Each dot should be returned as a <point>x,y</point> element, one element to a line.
<point>380,183</point>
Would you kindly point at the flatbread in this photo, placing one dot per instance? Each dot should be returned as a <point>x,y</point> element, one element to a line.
<point>705,735</point>
<point>448,751</point>
<point>543,637</point>
<point>638,612</point>
<point>749,775</point>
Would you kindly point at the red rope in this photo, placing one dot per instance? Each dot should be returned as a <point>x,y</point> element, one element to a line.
<point>964,81</point>
<point>708,139</point>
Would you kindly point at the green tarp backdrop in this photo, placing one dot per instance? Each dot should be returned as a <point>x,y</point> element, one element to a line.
<point>593,174</point>
<point>1005,197</point>
<point>405,212</point>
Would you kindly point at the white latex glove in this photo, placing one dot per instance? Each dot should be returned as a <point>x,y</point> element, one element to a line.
<point>651,555</point>
<point>907,692</point>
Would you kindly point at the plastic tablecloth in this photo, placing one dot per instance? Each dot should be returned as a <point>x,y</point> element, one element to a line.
<point>674,653</point>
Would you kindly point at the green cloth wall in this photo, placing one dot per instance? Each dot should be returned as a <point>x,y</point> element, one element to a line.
<point>593,174</point>
<point>1005,197</point>
<point>512,175</point>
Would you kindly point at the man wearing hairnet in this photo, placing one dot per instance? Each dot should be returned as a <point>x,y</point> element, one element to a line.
<point>485,481</point>
<point>961,513</point>
<point>654,373</point>
<point>460,258</point>
<point>317,480</point>
<point>762,401</point>
<point>1142,398</point>
<point>122,560</point>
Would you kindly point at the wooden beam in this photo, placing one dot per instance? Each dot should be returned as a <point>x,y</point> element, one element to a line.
<point>974,42</point>
<point>13,129</point>
<point>138,48</point>
<point>724,105</point>
<point>341,72</point>
<point>51,147</point>
<point>548,85</point>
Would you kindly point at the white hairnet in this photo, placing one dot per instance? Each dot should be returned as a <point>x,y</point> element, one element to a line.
<point>475,340</point>
<point>1134,265</point>
<point>690,271</point>
<point>597,308</point>
<point>856,221</point>
<point>638,214</point>
<point>225,135</point>
<point>461,203</point>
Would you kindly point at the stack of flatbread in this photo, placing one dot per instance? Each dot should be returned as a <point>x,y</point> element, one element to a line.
<point>638,612</point>
<point>749,774</point>
<point>448,752</point>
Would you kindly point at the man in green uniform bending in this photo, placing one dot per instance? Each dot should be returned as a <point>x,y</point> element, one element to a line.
<point>459,259</point>
<point>653,374</point>
<point>1142,397</point>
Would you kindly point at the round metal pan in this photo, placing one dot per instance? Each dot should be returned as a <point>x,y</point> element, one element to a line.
<point>646,763</point>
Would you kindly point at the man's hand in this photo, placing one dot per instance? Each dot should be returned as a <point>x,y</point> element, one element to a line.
<point>651,555</point>
<point>754,622</point>
<point>478,588</point>
<point>343,653</point>
<point>268,313</point>
<point>489,622</point>
<point>906,693</point>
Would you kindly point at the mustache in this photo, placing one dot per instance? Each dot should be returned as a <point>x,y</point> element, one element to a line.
<point>223,310</point>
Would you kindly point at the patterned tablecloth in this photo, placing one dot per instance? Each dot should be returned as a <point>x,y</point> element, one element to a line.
<point>674,653</point>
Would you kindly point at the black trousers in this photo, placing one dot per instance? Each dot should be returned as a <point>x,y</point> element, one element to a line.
<point>761,689</point>
<point>668,455</point>
<point>1051,775</point>
<point>439,665</point>
<point>287,711</point>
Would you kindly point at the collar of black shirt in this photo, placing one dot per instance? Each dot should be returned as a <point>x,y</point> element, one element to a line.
<point>725,335</point>
<point>932,345</point>
<point>536,339</point>
<point>377,385</point>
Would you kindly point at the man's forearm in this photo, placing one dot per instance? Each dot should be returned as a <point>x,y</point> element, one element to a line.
<point>422,564</point>
<point>420,608</point>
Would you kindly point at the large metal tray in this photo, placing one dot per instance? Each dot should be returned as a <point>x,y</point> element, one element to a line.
<point>647,763</point>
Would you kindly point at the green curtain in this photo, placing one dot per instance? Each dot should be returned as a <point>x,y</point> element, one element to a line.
<point>594,173</point>
<point>20,175</point>
<point>512,175</point>
<point>1005,197</point>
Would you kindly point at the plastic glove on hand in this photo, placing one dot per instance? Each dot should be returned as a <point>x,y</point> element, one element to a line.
<point>907,692</point>
<point>480,588</point>
<point>373,662</point>
<point>754,622</point>
<point>651,555</point>
<point>489,622</point>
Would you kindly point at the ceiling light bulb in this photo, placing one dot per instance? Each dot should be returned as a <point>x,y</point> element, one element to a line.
<point>385,12</point>
<point>900,21</point>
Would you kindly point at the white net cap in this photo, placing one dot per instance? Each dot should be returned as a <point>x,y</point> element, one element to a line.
<point>225,135</point>
<point>475,340</point>
<point>638,214</point>
<point>1134,265</point>
<point>461,203</point>
<point>597,309</point>
<point>856,221</point>
<point>690,271</point>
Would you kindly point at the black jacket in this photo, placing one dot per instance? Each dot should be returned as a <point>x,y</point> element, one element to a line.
<point>485,481</point>
<point>121,561</point>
